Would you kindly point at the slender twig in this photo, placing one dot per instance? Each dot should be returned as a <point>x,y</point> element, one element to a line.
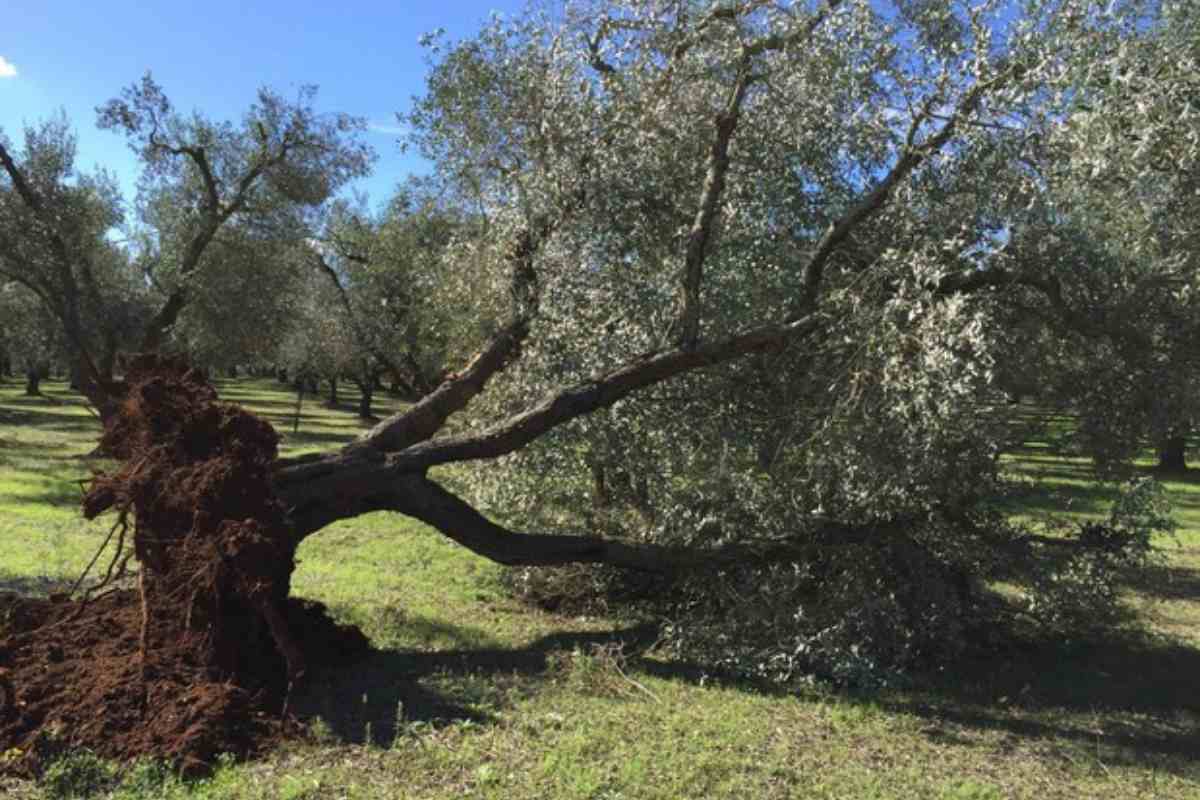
<point>119,555</point>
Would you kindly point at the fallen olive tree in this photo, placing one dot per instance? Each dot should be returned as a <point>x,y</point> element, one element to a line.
<point>738,287</point>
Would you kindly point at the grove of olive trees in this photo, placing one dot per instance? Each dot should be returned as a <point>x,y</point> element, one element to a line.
<point>724,294</point>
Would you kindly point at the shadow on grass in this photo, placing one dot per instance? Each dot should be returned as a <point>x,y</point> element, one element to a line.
<point>42,419</point>
<point>1057,498</point>
<point>53,476</point>
<point>1165,582</point>
<point>305,438</point>
<point>366,701</point>
<point>259,400</point>
<point>1132,700</point>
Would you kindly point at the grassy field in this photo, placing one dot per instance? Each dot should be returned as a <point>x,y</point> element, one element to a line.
<point>473,695</point>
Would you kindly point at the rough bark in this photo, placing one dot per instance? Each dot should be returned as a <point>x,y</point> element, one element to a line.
<point>387,469</point>
<point>426,417</point>
<point>700,235</point>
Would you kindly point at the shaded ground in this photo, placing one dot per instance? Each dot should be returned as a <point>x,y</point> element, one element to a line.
<point>1130,701</point>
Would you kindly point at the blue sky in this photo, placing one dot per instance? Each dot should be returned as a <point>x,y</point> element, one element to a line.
<point>213,57</point>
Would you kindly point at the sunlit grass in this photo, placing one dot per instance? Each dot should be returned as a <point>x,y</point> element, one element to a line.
<point>471,694</point>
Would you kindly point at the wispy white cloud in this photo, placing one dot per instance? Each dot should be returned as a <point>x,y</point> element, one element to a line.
<point>7,69</point>
<point>389,130</point>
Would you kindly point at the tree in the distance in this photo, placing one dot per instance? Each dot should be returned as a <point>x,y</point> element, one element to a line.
<point>28,335</point>
<point>261,177</point>
<point>54,228</point>
<point>1117,211</point>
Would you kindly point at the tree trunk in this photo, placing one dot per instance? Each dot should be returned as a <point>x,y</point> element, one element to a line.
<point>33,381</point>
<point>108,359</point>
<point>333,393</point>
<point>281,375</point>
<point>601,498</point>
<point>366,389</point>
<point>233,371</point>
<point>1172,454</point>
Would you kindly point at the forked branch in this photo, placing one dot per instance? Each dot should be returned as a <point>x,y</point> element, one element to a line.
<point>599,392</point>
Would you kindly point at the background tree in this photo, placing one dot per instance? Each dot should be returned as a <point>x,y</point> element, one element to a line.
<point>1116,207</point>
<point>200,178</point>
<point>319,346</point>
<point>54,225</point>
<point>29,336</point>
<point>392,281</point>
<point>246,303</point>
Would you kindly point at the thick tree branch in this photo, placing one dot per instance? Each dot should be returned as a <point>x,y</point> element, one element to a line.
<point>215,215</point>
<point>420,498</point>
<point>911,157</point>
<point>1050,287</point>
<point>28,196</point>
<point>427,417</point>
<point>701,233</point>
<point>427,501</point>
<point>68,309</point>
<point>62,253</point>
<point>687,322</point>
<point>599,392</point>
<point>199,157</point>
<point>423,420</point>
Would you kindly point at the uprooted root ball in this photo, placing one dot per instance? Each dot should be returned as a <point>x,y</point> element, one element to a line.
<point>199,658</point>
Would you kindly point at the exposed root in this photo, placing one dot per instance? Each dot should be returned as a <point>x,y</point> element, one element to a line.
<point>200,658</point>
<point>8,695</point>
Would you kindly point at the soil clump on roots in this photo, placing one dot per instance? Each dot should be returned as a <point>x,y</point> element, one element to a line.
<point>200,657</point>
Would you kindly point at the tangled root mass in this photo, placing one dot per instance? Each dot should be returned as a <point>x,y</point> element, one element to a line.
<point>200,657</point>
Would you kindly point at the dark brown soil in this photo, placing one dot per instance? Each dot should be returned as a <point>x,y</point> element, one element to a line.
<point>200,657</point>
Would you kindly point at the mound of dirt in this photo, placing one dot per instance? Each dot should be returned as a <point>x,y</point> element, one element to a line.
<point>200,657</point>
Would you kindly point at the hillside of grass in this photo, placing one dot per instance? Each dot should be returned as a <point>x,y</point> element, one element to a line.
<point>471,694</point>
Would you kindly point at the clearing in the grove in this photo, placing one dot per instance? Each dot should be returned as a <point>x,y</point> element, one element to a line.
<point>465,692</point>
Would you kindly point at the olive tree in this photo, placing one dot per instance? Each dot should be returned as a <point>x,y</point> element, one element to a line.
<point>735,280</point>
<point>255,180</point>
<point>387,272</point>
<point>28,335</point>
<point>54,241</point>
<point>738,308</point>
<point>1116,209</point>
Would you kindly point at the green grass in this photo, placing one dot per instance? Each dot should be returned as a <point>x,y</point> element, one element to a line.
<point>471,694</point>
<point>1063,485</point>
